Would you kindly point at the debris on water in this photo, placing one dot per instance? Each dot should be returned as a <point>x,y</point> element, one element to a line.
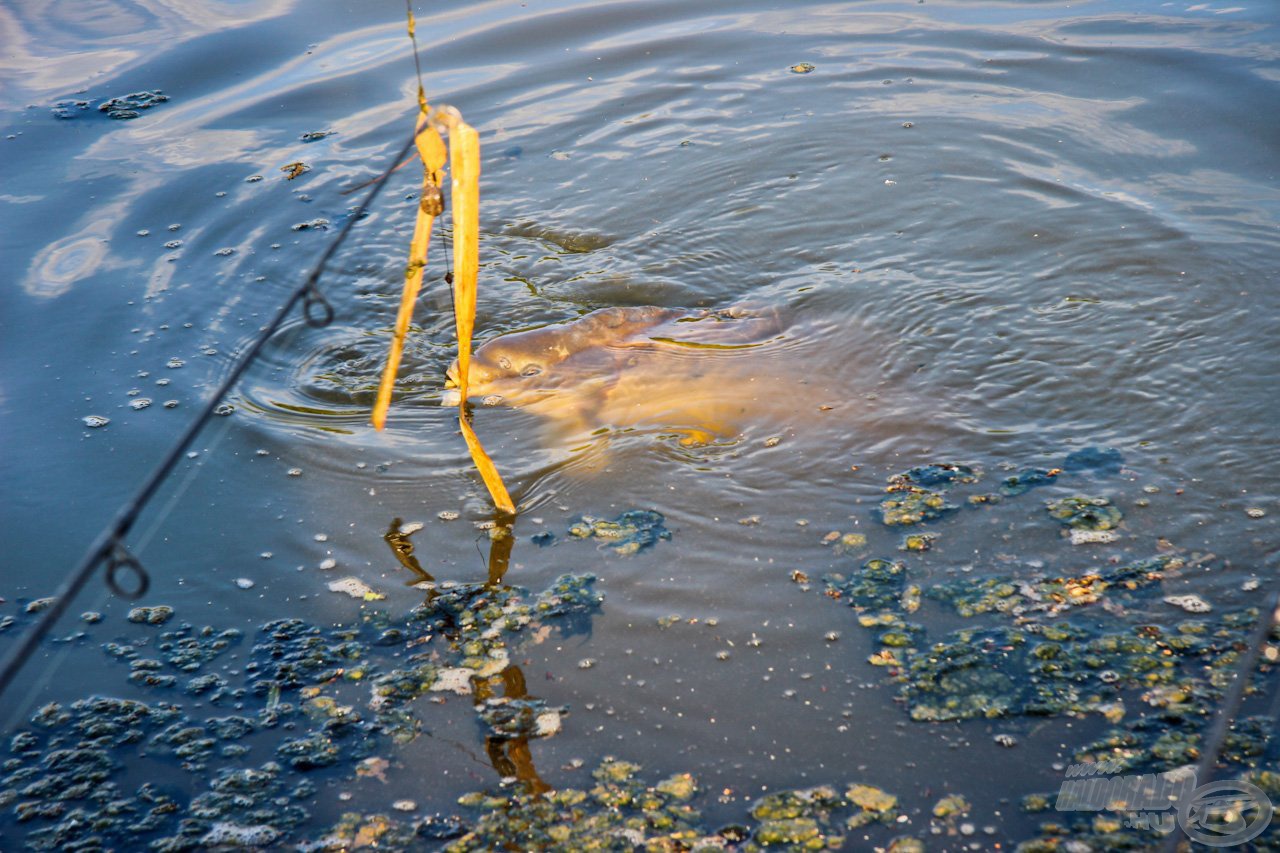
<point>174,363</point>
<point>878,586</point>
<point>355,588</point>
<point>68,110</point>
<point>913,507</point>
<point>295,169</point>
<point>223,409</point>
<point>447,515</point>
<point>802,68</point>
<point>140,403</point>
<point>951,805</point>
<point>1006,740</point>
<point>1025,481</point>
<point>307,753</point>
<point>1093,537</point>
<point>157,615</point>
<point>454,680</point>
<point>244,583</point>
<point>312,225</point>
<point>95,421</point>
<point>928,476</point>
<point>628,534</point>
<point>40,604</point>
<point>316,135</point>
<point>918,542</point>
<point>845,543</point>
<point>1255,512</point>
<point>1190,603</point>
<point>131,105</point>
<point>1084,513</point>
<point>1104,460</point>
<point>237,836</point>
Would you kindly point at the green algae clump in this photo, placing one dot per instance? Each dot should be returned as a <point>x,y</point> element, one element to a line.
<point>1082,513</point>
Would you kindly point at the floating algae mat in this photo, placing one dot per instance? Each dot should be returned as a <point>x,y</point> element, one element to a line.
<point>308,698</point>
<point>308,705</point>
<point>1045,645</point>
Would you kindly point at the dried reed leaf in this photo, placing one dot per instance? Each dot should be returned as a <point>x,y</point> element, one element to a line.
<point>464,167</point>
<point>464,162</point>
<point>432,151</point>
<point>488,471</point>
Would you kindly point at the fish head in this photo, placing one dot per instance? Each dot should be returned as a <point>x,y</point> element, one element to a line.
<point>525,367</point>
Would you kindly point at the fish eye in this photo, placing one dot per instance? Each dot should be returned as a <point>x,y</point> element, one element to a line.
<point>504,363</point>
<point>531,370</point>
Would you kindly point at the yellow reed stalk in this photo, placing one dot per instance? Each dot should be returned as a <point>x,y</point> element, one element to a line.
<point>432,151</point>
<point>464,159</point>
<point>464,165</point>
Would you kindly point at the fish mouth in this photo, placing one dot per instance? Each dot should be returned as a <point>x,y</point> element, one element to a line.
<point>452,395</point>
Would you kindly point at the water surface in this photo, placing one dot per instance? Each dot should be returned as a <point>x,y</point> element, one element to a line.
<point>1005,231</point>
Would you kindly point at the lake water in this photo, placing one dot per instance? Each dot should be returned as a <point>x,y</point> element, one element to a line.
<point>1000,234</point>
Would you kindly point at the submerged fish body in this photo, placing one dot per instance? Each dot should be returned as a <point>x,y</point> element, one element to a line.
<point>704,375</point>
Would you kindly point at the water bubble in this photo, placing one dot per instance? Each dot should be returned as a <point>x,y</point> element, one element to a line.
<point>171,404</point>
<point>173,244</point>
<point>224,409</point>
<point>162,382</point>
<point>244,583</point>
<point>143,232</point>
<point>95,421</point>
<point>1255,512</point>
<point>174,363</point>
<point>253,179</point>
<point>908,124</point>
<point>175,226</point>
<point>321,537</point>
<point>133,392</point>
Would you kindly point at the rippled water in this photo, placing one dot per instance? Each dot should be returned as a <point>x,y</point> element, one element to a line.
<point>1004,231</point>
